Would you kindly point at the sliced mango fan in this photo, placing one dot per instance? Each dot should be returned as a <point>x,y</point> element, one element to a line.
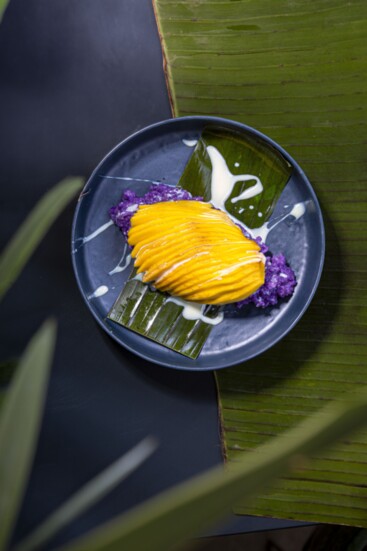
<point>195,252</point>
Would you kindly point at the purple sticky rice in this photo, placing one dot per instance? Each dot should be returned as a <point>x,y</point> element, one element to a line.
<point>122,213</point>
<point>280,280</point>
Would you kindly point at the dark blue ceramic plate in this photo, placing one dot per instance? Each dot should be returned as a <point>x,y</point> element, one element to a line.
<point>159,153</point>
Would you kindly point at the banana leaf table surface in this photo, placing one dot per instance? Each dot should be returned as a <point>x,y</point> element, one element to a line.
<point>77,79</point>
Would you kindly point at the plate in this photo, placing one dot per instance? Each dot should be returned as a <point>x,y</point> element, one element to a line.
<point>159,153</point>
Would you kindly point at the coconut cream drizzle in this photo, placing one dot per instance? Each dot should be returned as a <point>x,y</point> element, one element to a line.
<point>178,264</point>
<point>120,268</point>
<point>194,311</point>
<point>258,257</point>
<point>297,212</point>
<point>129,179</point>
<point>190,143</point>
<point>222,184</point>
<point>223,181</point>
<point>99,292</point>
<point>117,269</point>
<point>95,233</point>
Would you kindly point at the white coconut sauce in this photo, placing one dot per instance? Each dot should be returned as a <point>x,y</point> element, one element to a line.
<point>129,179</point>
<point>95,233</point>
<point>223,181</point>
<point>190,143</point>
<point>222,184</point>
<point>194,311</point>
<point>99,292</point>
<point>297,211</point>
<point>178,264</point>
<point>120,268</point>
<point>252,260</point>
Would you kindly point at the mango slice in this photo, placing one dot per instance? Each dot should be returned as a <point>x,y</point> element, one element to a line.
<point>191,250</point>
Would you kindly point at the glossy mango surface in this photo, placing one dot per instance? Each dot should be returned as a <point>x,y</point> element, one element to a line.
<point>193,251</point>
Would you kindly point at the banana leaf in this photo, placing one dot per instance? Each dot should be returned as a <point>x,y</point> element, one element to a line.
<point>147,311</point>
<point>297,72</point>
<point>242,152</point>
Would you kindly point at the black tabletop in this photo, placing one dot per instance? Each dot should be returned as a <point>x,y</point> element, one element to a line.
<point>77,78</point>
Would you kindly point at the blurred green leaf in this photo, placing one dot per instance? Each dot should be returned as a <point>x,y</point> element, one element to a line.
<point>2,397</point>
<point>3,6</point>
<point>33,229</point>
<point>7,369</point>
<point>360,542</point>
<point>182,511</point>
<point>90,494</point>
<point>19,424</point>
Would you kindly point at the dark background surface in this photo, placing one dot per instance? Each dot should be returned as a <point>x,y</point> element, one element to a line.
<point>76,78</point>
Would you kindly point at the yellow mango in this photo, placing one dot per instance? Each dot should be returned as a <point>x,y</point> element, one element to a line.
<point>218,290</point>
<point>216,274</point>
<point>192,250</point>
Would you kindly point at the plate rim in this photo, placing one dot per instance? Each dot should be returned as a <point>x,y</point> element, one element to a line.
<point>202,119</point>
